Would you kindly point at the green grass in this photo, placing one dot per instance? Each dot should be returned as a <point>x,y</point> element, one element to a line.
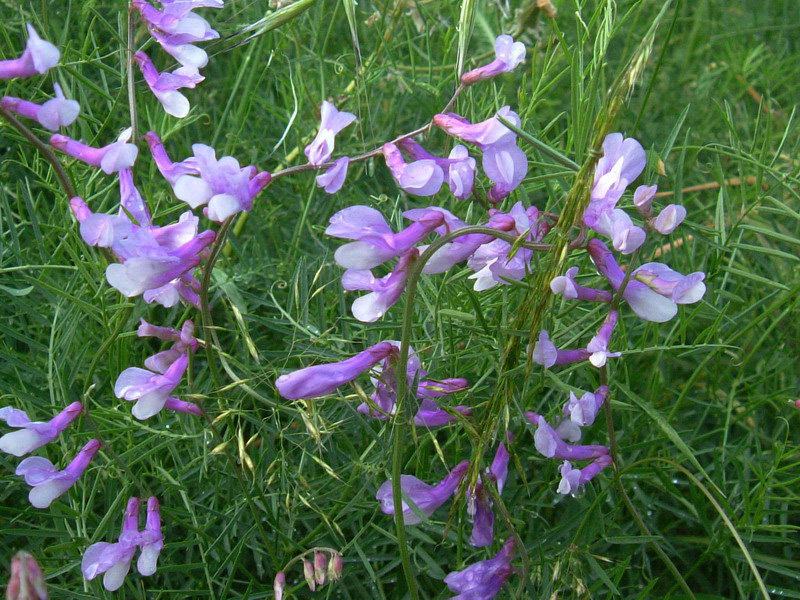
<point>706,433</point>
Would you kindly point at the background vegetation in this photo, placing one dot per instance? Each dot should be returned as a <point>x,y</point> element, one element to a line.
<point>701,404</point>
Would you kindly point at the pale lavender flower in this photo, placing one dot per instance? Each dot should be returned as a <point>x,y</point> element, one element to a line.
<point>458,167</point>
<point>151,539</point>
<point>643,199</point>
<point>422,177</point>
<point>55,113</point>
<point>426,498</point>
<point>114,559</point>
<point>506,165</point>
<point>47,482</point>
<point>658,304</point>
<point>26,580</point>
<point>187,55</point>
<point>320,567</point>
<point>573,479</point>
<point>483,580</point>
<point>668,219</point>
<point>131,200</point>
<point>31,435</point>
<point>308,574</point>
<point>582,411</point>
<point>165,86</point>
<point>111,158</point>
<point>332,122</point>
<point>279,585</point>
<point>148,389</point>
<point>483,134</point>
<point>384,292</point>
<point>508,55</point>
<point>171,171</point>
<point>550,444</point>
<point>39,56</point>
<point>566,286</point>
<point>375,241</point>
<point>623,161</point>
<point>180,25</point>
<point>479,505</point>
<point>546,354</point>
<point>332,180</point>
<point>183,339</point>
<point>319,380</point>
<point>616,224</point>
<point>598,345</point>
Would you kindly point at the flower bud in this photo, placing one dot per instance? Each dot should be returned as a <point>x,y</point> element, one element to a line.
<point>279,585</point>
<point>335,567</point>
<point>308,573</point>
<point>320,567</point>
<point>26,581</point>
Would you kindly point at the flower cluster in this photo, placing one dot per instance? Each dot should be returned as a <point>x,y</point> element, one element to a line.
<point>327,565</point>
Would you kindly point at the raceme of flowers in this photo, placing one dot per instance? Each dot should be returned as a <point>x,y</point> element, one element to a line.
<point>159,263</point>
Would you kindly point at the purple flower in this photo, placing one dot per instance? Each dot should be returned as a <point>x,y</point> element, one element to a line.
<point>332,122</point>
<point>479,505</point>
<point>150,390</point>
<point>131,200</point>
<point>422,177</point>
<point>509,54</point>
<point>31,435</point>
<point>165,86</point>
<point>188,55</point>
<point>572,290</point>
<point>384,291</point>
<point>39,56</point>
<point>47,482</point>
<point>426,498</point>
<point>546,354</point>
<point>483,134</point>
<point>506,165</point>
<point>111,159</point>
<point>180,25</point>
<point>658,304</point>
<point>151,539</point>
<point>573,479</point>
<point>598,345</point>
<point>668,219</point>
<point>643,199</point>
<point>582,411</point>
<point>279,585</point>
<point>458,168</point>
<point>320,380</point>
<point>375,242</point>
<point>623,161</point>
<point>183,339</point>
<point>26,580</point>
<point>55,113</point>
<point>483,580</point>
<point>332,180</point>
<point>550,444</point>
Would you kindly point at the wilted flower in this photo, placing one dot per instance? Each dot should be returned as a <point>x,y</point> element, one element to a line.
<point>39,56</point>
<point>483,580</point>
<point>55,113</point>
<point>165,86</point>
<point>308,573</point>
<point>47,482</point>
<point>26,581</point>
<point>34,434</point>
<point>426,498</point>
<point>335,567</point>
<point>279,585</point>
<point>509,54</point>
<point>111,159</point>
<point>332,122</point>
<point>320,567</point>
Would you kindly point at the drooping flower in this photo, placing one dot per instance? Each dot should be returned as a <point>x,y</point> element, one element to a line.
<point>508,55</point>
<point>151,539</point>
<point>332,180</point>
<point>551,445</point>
<point>165,86</point>
<point>426,498</point>
<point>479,504</point>
<point>31,435</point>
<point>483,580</point>
<point>375,242</point>
<point>506,165</point>
<point>54,114</point>
<point>47,482</point>
<point>177,22</point>
<point>320,567</point>
<point>384,292</point>
<point>279,585</point>
<point>26,580</point>
<point>319,380</point>
<point>566,286</point>
<point>668,219</point>
<point>332,122</point>
<point>111,158</point>
<point>183,339</point>
<point>458,168</point>
<point>148,389</point>
<point>483,134</point>
<point>649,304</point>
<point>546,354</point>
<point>573,479</point>
<point>308,574</point>
<point>39,57</point>
<point>598,345</point>
<point>422,177</point>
